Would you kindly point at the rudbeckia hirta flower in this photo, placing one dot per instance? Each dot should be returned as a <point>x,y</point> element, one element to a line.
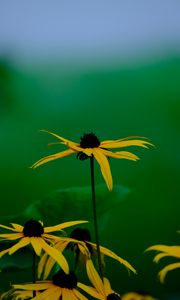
<point>90,146</point>
<point>166,251</point>
<point>62,286</point>
<point>35,234</point>
<point>102,289</point>
<point>78,241</point>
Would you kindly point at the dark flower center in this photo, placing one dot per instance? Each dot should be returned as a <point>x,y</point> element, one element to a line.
<point>113,296</point>
<point>89,140</point>
<point>33,228</point>
<point>81,234</point>
<point>64,280</point>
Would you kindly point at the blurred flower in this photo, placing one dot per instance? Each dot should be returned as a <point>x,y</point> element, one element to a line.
<point>16,295</point>
<point>34,233</point>
<point>137,296</point>
<point>102,289</point>
<point>79,242</point>
<point>91,146</point>
<point>62,286</point>
<point>173,251</point>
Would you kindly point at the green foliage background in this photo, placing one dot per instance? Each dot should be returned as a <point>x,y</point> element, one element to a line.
<point>142,98</point>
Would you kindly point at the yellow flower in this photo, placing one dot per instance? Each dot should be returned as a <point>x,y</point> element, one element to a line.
<point>79,242</point>
<point>62,286</point>
<point>137,296</point>
<point>91,146</point>
<point>38,236</point>
<point>102,289</point>
<point>173,251</point>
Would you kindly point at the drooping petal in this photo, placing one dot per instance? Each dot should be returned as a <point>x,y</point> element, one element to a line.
<point>94,277</point>
<point>52,157</point>
<point>159,256</point>
<point>62,226</point>
<point>77,148</point>
<point>90,290</point>
<point>110,253</point>
<point>35,244</point>
<point>104,165</point>
<point>120,154</point>
<point>56,255</point>
<point>125,143</point>
<point>162,274</point>
<point>22,243</point>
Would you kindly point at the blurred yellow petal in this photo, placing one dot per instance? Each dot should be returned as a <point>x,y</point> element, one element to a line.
<point>90,290</point>
<point>56,135</point>
<point>4,252</point>
<point>52,157</point>
<point>56,255</point>
<point>104,165</point>
<point>162,274</point>
<point>94,277</point>
<point>170,250</point>
<point>22,243</point>
<point>79,295</point>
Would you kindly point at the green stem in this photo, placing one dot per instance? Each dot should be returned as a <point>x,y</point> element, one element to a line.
<point>95,216</point>
<point>34,270</point>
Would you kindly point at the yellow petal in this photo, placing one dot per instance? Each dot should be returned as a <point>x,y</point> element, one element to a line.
<point>48,294</point>
<point>79,295</point>
<point>42,285</point>
<point>125,143</point>
<point>22,243</point>
<point>77,148</point>
<point>35,244</point>
<point>62,226</point>
<point>11,236</point>
<point>52,157</point>
<point>107,286</point>
<point>115,256</point>
<point>163,272</point>
<point>56,135</point>
<point>104,165</point>
<point>41,264</point>
<point>91,291</point>
<point>6,227</point>
<point>170,250</point>
<point>17,227</point>
<point>120,154</point>
<point>94,277</point>
<point>50,262</point>
<point>56,255</point>
<point>4,252</point>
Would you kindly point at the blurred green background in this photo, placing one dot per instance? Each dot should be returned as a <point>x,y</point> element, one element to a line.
<point>113,93</point>
<point>113,103</point>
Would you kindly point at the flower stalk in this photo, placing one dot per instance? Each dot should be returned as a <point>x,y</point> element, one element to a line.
<point>95,215</point>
